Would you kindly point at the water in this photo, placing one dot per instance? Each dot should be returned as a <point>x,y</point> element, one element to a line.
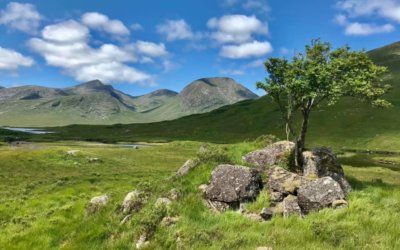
<point>36,131</point>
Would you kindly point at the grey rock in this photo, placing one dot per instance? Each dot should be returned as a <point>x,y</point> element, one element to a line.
<point>276,197</point>
<point>274,154</point>
<point>186,167</point>
<point>319,194</point>
<point>133,202</point>
<point>163,202</point>
<point>174,194</point>
<point>142,242</point>
<point>321,162</point>
<point>169,221</point>
<point>266,213</point>
<point>291,206</point>
<point>217,206</point>
<point>339,204</point>
<point>97,203</point>
<point>234,184</point>
<point>282,181</point>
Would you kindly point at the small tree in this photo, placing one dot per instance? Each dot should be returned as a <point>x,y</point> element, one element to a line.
<point>320,76</point>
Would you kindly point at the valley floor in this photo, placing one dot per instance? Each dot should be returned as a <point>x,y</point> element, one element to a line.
<point>44,192</point>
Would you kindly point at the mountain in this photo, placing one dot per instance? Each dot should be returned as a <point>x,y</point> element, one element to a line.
<point>350,123</point>
<point>96,103</point>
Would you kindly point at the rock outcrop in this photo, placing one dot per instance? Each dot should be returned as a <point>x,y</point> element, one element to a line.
<point>282,182</point>
<point>321,162</point>
<point>186,167</point>
<point>133,202</point>
<point>234,184</point>
<point>275,154</point>
<point>319,194</point>
<point>290,206</point>
<point>96,203</point>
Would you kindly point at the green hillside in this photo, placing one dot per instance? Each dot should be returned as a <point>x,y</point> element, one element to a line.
<point>350,123</point>
<point>96,103</point>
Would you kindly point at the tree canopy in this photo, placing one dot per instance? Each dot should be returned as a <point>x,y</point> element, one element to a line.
<point>321,75</point>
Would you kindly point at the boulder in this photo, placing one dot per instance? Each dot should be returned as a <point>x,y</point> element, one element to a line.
<point>186,167</point>
<point>283,182</point>
<point>321,162</point>
<point>291,206</point>
<point>133,202</point>
<point>266,213</point>
<point>278,153</point>
<point>96,203</point>
<point>234,184</point>
<point>318,194</point>
<point>216,206</point>
<point>163,202</point>
<point>339,204</point>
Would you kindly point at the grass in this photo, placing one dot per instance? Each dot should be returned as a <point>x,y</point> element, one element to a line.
<point>43,194</point>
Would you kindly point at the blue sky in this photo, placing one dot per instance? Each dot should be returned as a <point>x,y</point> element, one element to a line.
<point>140,46</point>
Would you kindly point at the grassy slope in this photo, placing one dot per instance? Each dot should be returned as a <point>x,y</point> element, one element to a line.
<point>350,123</point>
<point>43,194</point>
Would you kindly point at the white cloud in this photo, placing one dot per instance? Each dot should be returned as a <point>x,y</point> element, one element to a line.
<point>77,58</point>
<point>136,26</point>
<point>151,49</point>
<point>236,28</point>
<point>363,29</point>
<point>246,50</point>
<point>175,30</point>
<point>256,5</point>
<point>66,32</point>
<point>23,17</point>
<point>353,9</point>
<point>98,21</point>
<point>11,60</point>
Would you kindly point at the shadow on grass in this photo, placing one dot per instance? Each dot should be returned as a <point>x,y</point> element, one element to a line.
<point>376,183</point>
<point>368,160</point>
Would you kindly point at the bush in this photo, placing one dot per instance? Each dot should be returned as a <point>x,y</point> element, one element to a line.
<point>214,154</point>
<point>265,140</point>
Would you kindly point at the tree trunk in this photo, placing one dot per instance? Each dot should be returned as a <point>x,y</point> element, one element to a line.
<point>301,140</point>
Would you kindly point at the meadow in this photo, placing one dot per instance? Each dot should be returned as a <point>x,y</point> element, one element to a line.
<point>44,192</point>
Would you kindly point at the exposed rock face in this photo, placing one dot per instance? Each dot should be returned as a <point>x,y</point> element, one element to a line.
<point>96,203</point>
<point>133,202</point>
<point>274,154</point>
<point>234,184</point>
<point>319,194</point>
<point>282,182</point>
<point>186,167</point>
<point>321,162</point>
<point>291,206</point>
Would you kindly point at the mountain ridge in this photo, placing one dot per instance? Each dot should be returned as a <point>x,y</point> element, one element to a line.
<point>94,102</point>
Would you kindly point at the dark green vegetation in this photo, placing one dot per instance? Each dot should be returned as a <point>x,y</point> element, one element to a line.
<point>349,124</point>
<point>96,103</point>
<point>44,192</point>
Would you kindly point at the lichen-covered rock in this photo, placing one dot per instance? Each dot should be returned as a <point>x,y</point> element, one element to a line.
<point>318,194</point>
<point>276,197</point>
<point>278,153</point>
<point>234,184</point>
<point>96,203</point>
<point>291,206</point>
<point>169,221</point>
<point>282,181</point>
<point>266,213</point>
<point>163,202</point>
<point>133,202</point>
<point>321,162</point>
<point>217,206</point>
<point>339,204</point>
<point>186,167</point>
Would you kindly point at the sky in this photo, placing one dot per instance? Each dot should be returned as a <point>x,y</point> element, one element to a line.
<point>144,45</point>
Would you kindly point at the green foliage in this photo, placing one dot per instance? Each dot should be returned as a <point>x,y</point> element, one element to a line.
<point>321,76</point>
<point>214,154</point>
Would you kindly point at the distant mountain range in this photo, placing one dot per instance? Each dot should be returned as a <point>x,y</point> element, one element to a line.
<point>96,103</point>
